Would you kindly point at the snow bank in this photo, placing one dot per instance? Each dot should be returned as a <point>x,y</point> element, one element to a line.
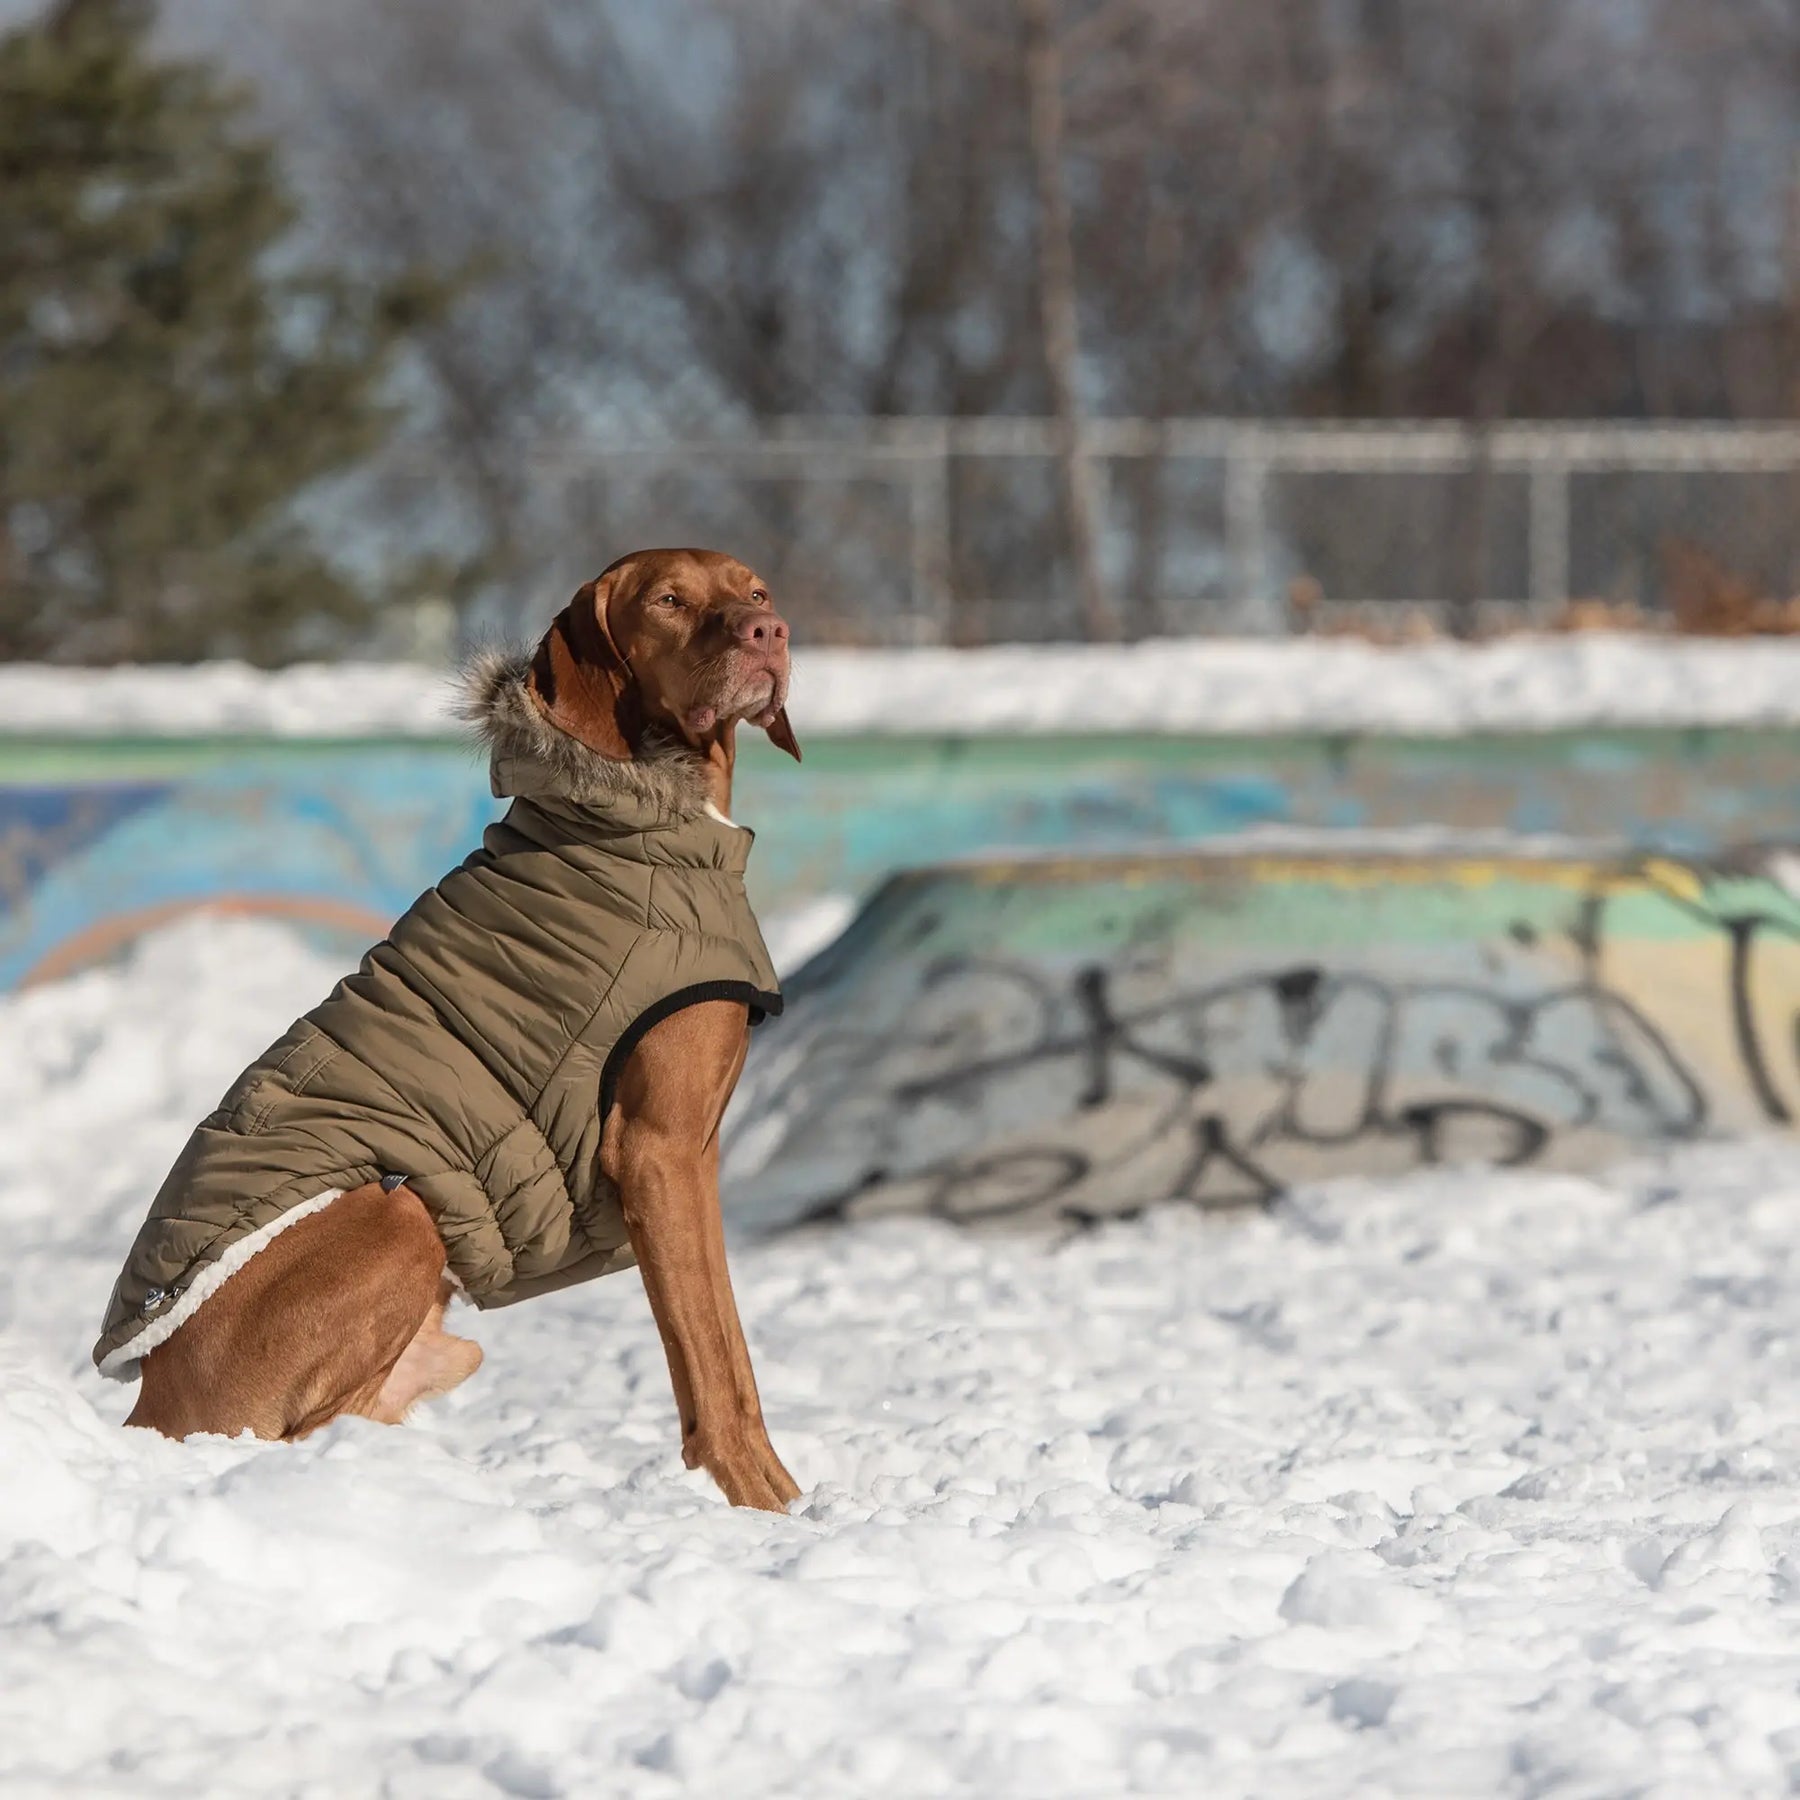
<point>1466,1484</point>
<point>1189,685</point>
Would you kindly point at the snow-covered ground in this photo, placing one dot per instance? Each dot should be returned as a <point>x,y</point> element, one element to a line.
<point>1461,1485</point>
<point>1188,685</point>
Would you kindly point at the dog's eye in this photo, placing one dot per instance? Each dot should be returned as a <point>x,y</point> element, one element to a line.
<point>760,596</point>
<point>670,600</point>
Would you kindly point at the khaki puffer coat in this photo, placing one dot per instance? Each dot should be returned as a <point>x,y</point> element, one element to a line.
<point>477,1050</point>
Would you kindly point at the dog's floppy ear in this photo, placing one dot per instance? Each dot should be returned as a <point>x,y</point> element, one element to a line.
<point>578,676</point>
<point>781,734</point>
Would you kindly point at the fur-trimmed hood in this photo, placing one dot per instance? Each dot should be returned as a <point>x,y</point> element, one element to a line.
<point>534,757</point>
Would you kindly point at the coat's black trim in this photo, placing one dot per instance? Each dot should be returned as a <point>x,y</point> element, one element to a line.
<point>762,1004</point>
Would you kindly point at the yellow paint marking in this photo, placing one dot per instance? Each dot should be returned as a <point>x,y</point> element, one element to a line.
<point>1674,878</point>
<point>1349,870</point>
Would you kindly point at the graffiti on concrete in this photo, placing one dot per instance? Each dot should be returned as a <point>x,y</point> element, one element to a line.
<point>1006,1086</point>
<point>332,840</point>
<point>41,827</point>
<point>1516,1071</point>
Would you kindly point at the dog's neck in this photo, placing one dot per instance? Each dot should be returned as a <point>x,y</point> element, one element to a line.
<point>718,754</point>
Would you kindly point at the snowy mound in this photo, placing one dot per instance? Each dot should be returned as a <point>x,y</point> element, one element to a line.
<point>1457,1485</point>
<point>1522,683</point>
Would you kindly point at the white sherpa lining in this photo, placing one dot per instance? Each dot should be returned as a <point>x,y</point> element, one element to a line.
<point>122,1364</point>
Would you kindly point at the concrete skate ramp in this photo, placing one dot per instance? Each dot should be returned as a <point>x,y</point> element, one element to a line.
<point>1044,1038</point>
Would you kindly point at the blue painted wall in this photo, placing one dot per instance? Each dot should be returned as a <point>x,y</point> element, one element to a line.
<point>101,840</point>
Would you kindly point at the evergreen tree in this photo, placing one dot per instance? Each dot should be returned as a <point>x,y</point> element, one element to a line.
<point>168,386</point>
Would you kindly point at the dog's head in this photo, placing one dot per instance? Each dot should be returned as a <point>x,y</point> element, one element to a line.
<point>685,643</point>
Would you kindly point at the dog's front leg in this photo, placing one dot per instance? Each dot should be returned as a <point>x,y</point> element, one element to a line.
<point>661,1146</point>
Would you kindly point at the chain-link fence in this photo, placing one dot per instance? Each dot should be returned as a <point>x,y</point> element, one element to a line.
<point>941,530</point>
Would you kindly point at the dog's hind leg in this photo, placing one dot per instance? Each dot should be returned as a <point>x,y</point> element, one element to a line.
<point>432,1364</point>
<point>319,1323</point>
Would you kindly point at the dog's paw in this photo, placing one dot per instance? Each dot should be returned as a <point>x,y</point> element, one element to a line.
<point>748,1471</point>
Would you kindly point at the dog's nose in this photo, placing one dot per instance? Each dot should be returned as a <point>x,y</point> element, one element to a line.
<point>761,630</point>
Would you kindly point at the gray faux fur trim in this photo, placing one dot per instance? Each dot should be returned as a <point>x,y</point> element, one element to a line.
<point>494,699</point>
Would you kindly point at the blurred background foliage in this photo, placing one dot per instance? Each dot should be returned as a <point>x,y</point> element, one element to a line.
<point>317,305</point>
<point>170,389</point>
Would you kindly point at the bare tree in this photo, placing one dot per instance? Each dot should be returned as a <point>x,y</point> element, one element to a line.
<point>1059,305</point>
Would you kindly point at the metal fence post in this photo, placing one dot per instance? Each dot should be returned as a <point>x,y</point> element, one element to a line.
<point>1246,524</point>
<point>1548,533</point>
<point>929,484</point>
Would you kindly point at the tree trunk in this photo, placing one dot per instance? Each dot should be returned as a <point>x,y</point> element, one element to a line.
<point>1057,306</point>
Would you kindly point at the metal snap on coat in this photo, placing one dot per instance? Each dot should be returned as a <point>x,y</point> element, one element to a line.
<point>476,1050</point>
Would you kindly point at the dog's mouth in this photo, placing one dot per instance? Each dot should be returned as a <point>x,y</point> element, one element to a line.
<point>752,690</point>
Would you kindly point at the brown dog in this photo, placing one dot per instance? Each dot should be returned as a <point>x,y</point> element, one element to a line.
<point>343,1312</point>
